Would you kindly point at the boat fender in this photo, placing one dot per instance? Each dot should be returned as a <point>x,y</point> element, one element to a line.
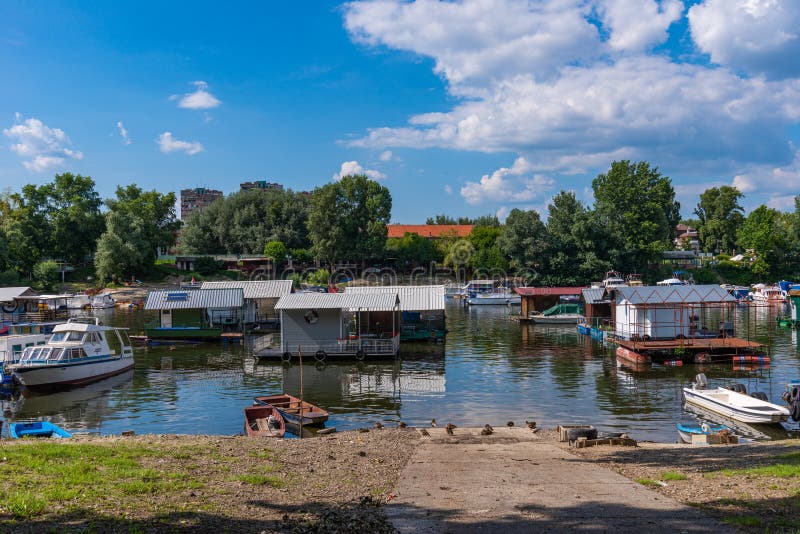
<point>794,394</point>
<point>320,366</point>
<point>786,397</point>
<point>320,355</point>
<point>738,388</point>
<point>760,395</point>
<point>795,411</point>
<point>286,356</point>
<point>360,355</point>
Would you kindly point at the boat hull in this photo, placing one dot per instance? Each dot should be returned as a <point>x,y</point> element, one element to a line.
<point>37,429</point>
<point>494,301</point>
<point>555,319</point>
<point>256,422</point>
<point>685,432</point>
<point>631,356</point>
<point>289,408</point>
<point>77,374</point>
<point>748,409</point>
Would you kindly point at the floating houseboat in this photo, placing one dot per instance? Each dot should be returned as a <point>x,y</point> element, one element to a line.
<point>334,325</point>
<point>421,307</point>
<point>195,314</point>
<point>764,294</point>
<point>534,300</point>
<point>260,297</point>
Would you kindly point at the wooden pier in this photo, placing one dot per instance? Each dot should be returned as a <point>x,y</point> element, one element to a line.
<point>692,350</point>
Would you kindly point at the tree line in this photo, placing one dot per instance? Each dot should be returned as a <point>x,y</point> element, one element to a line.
<point>630,223</point>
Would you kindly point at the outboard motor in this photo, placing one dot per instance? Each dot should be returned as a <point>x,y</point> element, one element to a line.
<point>700,381</point>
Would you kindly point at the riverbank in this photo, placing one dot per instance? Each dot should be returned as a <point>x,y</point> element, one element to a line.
<point>343,481</point>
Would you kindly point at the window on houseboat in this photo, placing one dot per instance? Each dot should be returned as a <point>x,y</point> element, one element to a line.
<point>58,336</point>
<point>74,336</point>
<point>77,353</point>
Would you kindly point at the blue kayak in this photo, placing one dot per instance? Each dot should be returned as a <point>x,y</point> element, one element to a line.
<point>686,431</point>
<point>37,429</point>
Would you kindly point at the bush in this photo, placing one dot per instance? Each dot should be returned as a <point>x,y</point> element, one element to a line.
<point>9,278</point>
<point>319,277</point>
<point>45,274</point>
<point>207,265</point>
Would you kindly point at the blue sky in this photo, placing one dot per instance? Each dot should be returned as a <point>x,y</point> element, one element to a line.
<point>467,108</point>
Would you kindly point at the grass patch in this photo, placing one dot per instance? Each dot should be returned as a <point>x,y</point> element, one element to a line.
<point>266,454</point>
<point>650,483</point>
<point>786,466</point>
<point>673,475</point>
<point>743,521</point>
<point>262,480</point>
<point>23,504</point>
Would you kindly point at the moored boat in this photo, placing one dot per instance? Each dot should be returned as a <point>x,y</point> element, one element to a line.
<point>77,353</point>
<point>734,405</point>
<point>764,294</point>
<point>263,421</point>
<point>559,314</point>
<point>688,432</point>
<point>37,429</point>
<point>292,409</point>
<point>103,301</point>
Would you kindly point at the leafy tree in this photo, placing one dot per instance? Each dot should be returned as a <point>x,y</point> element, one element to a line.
<point>45,274</point>
<point>637,206</point>
<point>138,224</point>
<point>485,220</point>
<point>720,217</point>
<point>523,239</point>
<point>348,219</point>
<point>761,232</point>
<point>25,227</point>
<point>412,249</point>
<point>206,265</point>
<point>75,220</point>
<point>275,250</point>
<point>488,255</point>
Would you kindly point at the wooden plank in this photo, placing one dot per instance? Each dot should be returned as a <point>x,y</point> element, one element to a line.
<point>624,442</point>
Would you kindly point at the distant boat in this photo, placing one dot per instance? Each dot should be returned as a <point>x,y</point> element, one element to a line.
<point>499,297</point>
<point>289,407</point>
<point>37,429</point>
<point>764,294</point>
<point>103,301</point>
<point>676,280</point>
<point>559,314</point>
<point>264,422</point>
<point>613,279</point>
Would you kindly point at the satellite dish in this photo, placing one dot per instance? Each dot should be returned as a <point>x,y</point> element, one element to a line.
<point>311,316</point>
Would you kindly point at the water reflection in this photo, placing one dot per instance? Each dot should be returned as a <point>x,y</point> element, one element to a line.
<point>490,370</point>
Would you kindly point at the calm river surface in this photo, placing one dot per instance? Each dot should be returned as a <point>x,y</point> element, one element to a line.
<point>491,370</point>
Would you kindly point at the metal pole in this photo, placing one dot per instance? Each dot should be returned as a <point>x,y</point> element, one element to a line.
<point>300,355</point>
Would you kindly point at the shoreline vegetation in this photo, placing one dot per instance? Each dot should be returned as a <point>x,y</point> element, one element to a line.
<point>341,482</point>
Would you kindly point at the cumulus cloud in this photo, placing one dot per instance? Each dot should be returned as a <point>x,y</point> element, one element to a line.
<point>386,155</point>
<point>743,183</point>
<point>512,184</point>
<point>167,144</point>
<point>199,99</point>
<point>126,140</point>
<point>571,85</point>
<point>43,148</point>
<point>353,167</point>
<point>757,36</point>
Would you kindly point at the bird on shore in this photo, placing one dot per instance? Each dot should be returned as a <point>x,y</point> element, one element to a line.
<point>433,423</point>
<point>487,430</point>
<point>449,428</point>
<point>424,432</point>
<point>401,425</point>
<point>363,430</point>
<point>510,424</point>
<point>531,424</point>
<point>378,425</point>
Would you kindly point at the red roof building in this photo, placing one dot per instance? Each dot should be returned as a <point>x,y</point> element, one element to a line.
<point>431,231</point>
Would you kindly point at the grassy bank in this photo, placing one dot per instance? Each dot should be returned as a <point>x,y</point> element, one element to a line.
<point>228,484</point>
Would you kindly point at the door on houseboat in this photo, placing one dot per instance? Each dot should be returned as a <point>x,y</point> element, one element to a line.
<point>166,318</point>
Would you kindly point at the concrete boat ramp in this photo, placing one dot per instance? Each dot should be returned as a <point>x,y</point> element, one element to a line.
<point>513,481</point>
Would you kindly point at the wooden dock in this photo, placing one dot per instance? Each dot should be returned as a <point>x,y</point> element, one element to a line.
<point>695,344</point>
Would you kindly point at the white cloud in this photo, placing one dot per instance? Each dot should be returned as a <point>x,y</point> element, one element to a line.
<point>758,36</point>
<point>353,167</point>
<point>507,185</point>
<point>636,25</point>
<point>199,99</point>
<point>501,213</point>
<point>167,143</point>
<point>448,189</point>
<point>781,202</point>
<point>386,155</point>
<point>126,140</point>
<point>42,147</point>
<point>743,183</point>
<point>571,85</point>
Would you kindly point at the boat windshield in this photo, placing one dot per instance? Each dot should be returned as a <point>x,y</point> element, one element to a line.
<point>67,336</point>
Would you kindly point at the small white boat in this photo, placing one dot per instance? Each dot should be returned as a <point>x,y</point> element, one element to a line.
<point>734,405</point>
<point>563,313</point>
<point>613,279</point>
<point>103,301</point>
<point>79,301</point>
<point>77,353</point>
<point>506,298</point>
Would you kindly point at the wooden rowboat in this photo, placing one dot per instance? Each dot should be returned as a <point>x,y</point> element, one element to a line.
<point>289,407</point>
<point>257,422</point>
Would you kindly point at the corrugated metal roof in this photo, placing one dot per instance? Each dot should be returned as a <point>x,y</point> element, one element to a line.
<point>689,294</point>
<point>412,298</point>
<point>8,294</point>
<point>594,295</point>
<point>344,301</point>
<point>255,289</point>
<point>547,291</point>
<point>171,299</point>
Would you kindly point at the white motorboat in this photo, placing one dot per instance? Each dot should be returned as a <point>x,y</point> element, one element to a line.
<point>103,301</point>
<point>613,279</point>
<point>505,297</point>
<point>734,405</point>
<point>563,313</point>
<point>77,353</point>
<point>764,294</point>
<point>79,301</point>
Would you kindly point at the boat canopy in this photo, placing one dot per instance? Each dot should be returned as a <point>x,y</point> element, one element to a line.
<point>560,309</point>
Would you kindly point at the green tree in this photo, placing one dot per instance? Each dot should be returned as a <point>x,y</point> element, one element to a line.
<point>45,274</point>
<point>720,218</point>
<point>637,206</point>
<point>276,251</point>
<point>488,256</point>
<point>763,233</point>
<point>412,250</point>
<point>523,239</point>
<point>138,224</point>
<point>75,220</point>
<point>348,219</point>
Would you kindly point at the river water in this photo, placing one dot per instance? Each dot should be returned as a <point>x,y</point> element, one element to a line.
<point>490,370</point>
